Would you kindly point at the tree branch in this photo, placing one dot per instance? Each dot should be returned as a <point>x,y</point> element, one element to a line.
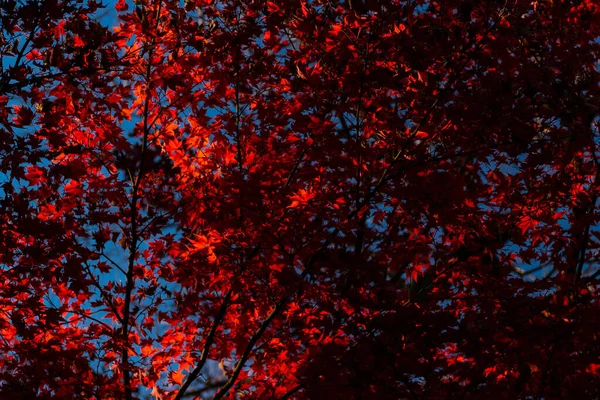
<point>209,341</point>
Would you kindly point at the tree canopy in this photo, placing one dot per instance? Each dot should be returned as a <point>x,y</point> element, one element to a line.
<point>287,199</point>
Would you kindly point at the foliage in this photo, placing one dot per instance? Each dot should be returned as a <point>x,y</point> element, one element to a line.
<point>332,199</point>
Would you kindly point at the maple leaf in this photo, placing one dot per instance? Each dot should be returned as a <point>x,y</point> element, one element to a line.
<point>302,198</point>
<point>77,42</point>
<point>113,98</point>
<point>177,377</point>
<point>35,175</point>
<point>593,369</point>
<point>59,29</point>
<point>527,223</point>
<point>24,116</point>
<point>121,6</point>
<point>201,242</point>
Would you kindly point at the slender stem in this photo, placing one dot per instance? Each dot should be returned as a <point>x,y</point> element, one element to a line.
<point>591,210</point>
<point>279,306</point>
<point>134,228</point>
<point>360,231</point>
<point>6,80</point>
<point>249,348</point>
<point>209,341</point>
<point>291,392</point>
<point>584,243</point>
<point>109,301</point>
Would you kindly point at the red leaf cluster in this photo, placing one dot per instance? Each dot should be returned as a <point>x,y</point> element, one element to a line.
<point>254,199</point>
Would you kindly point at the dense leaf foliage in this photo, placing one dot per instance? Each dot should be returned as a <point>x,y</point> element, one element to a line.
<point>360,199</point>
